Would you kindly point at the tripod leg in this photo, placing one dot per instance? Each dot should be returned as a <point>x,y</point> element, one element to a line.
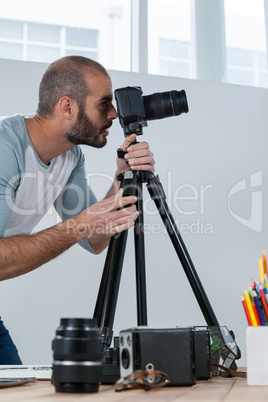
<point>109,287</point>
<point>132,185</point>
<point>140,261</point>
<point>158,196</point>
<point>103,285</point>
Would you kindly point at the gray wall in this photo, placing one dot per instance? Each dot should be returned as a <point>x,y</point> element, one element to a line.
<point>200,157</point>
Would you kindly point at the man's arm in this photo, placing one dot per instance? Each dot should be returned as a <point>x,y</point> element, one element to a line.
<point>23,253</point>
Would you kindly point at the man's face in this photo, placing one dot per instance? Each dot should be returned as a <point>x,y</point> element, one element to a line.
<point>93,120</point>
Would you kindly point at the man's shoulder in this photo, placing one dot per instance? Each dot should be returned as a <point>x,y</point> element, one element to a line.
<point>77,151</point>
<point>13,140</point>
<point>12,128</point>
<point>11,121</point>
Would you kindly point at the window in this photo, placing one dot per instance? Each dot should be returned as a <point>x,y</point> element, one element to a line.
<point>169,37</point>
<point>246,56</point>
<point>100,30</point>
<point>174,58</point>
<point>43,42</point>
<point>208,40</point>
<point>246,67</point>
<point>223,40</point>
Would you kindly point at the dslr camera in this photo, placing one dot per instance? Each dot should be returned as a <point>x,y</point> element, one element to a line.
<point>134,109</point>
<point>183,354</point>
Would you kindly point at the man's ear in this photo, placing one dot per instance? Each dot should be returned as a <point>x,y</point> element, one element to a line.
<point>68,107</point>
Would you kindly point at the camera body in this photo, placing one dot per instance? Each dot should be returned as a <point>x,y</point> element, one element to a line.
<point>134,109</point>
<point>181,353</point>
<point>130,108</point>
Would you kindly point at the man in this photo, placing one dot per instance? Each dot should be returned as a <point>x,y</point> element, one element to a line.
<point>42,165</point>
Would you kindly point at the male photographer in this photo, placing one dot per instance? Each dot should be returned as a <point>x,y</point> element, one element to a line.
<point>41,164</point>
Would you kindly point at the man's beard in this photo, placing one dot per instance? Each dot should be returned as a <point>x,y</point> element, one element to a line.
<point>83,131</point>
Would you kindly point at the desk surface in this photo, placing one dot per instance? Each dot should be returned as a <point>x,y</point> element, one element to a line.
<point>215,389</point>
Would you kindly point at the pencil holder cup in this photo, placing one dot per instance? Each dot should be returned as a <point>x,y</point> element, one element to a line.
<point>257,355</point>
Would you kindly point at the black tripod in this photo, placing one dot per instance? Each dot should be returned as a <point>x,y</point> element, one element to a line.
<point>131,182</point>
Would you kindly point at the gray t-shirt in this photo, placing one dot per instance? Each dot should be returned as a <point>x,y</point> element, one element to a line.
<point>28,187</point>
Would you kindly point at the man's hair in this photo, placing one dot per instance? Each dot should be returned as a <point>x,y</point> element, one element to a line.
<point>66,77</point>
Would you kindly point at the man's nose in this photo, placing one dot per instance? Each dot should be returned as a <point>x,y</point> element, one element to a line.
<point>112,113</point>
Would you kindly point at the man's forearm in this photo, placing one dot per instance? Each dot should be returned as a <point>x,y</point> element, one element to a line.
<point>23,253</point>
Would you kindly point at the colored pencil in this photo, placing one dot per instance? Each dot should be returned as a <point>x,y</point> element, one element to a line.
<point>255,312</point>
<point>263,299</point>
<point>261,271</point>
<point>258,287</point>
<point>250,291</point>
<point>266,293</point>
<point>262,309</point>
<point>250,309</point>
<point>264,258</point>
<point>258,307</point>
<point>266,280</point>
<point>246,310</point>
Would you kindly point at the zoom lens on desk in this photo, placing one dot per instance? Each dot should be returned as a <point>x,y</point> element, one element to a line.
<point>77,351</point>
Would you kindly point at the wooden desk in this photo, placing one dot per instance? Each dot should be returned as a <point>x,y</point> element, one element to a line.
<point>216,389</point>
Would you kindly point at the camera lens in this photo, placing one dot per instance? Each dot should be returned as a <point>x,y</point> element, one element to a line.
<point>165,104</point>
<point>77,357</point>
<point>125,358</point>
